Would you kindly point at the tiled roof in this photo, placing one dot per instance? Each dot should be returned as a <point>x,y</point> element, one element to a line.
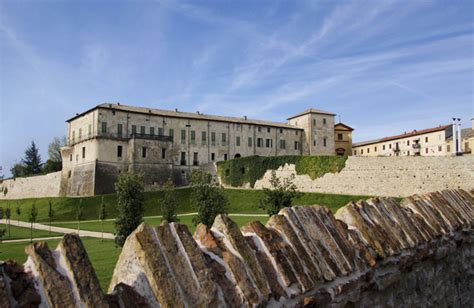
<point>343,125</point>
<point>185,115</point>
<point>405,135</point>
<point>311,110</point>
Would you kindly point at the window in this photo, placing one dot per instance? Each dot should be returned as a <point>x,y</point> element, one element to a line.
<point>282,144</point>
<point>195,159</point>
<point>80,133</point>
<point>250,142</point>
<point>426,139</point>
<point>325,141</point>
<point>448,148</point>
<point>119,130</point>
<point>213,156</point>
<point>183,159</point>
<point>73,136</point>
<point>355,152</point>
<point>183,136</point>
<point>297,145</point>
<point>83,152</point>
<point>259,129</point>
<point>259,142</point>
<point>426,150</point>
<point>104,127</point>
<point>237,141</point>
<point>89,131</point>
<point>163,153</point>
<point>213,138</point>
<point>390,146</point>
<point>193,137</point>
<point>142,130</point>
<point>269,143</point>
<point>160,131</point>
<point>296,132</point>
<point>152,131</point>
<point>70,157</point>
<point>368,150</point>
<point>224,139</point>
<point>203,138</point>
<point>361,151</point>
<point>134,130</point>
<point>339,136</point>
<point>281,130</point>
<point>324,121</point>
<point>408,153</point>
<point>314,122</point>
<point>440,148</point>
<point>225,156</point>
<point>268,129</point>
<point>171,133</point>
<point>314,142</point>
<point>408,142</point>
<point>383,147</point>
<point>144,152</point>
<point>375,149</point>
<point>466,146</point>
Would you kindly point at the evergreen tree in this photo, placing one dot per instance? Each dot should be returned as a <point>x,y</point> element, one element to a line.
<point>8,214</point>
<point>50,214</point>
<point>33,215</point>
<point>102,216</point>
<point>129,188</point>
<point>169,203</point>
<point>18,212</point>
<point>32,160</point>
<point>280,195</point>
<point>207,198</point>
<point>79,215</point>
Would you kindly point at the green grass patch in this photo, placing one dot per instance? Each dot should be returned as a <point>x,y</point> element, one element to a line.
<point>17,232</point>
<point>239,171</point>
<point>103,256</point>
<point>240,201</point>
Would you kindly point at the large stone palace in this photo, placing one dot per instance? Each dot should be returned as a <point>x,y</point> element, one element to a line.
<point>112,138</point>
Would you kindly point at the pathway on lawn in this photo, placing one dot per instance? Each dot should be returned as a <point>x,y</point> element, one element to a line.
<point>159,216</point>
<point>83,233</point>
<point>35,239</point>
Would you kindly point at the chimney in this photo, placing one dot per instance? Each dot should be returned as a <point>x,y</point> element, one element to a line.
<point>176,109</point>
<point>118,103</point>
<point>459,136</point>
<point>245,117</point>
<point>197,112</point>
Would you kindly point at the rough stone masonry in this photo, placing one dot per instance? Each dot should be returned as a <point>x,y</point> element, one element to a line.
<point>372,253</point>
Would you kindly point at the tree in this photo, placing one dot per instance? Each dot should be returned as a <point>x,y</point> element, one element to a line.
<point>18,170</point>
<point>79,215</point>
<point>32,160</point>
<point>54,149</point>
<point>8,214</point>
<point>280,195</point>
<point>129,188</point>
<point>207,198</point>
<point>102,216</point>
<point>33,215</point>
<point>18,212</point>
<point>169,203</point>
<point>50,214</point>
<point>52,166</point>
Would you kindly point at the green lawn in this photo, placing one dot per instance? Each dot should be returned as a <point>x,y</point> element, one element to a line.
<point>109,226</point>
<point>103,255</point>
<point>21,233</point>
<point>240,201</point>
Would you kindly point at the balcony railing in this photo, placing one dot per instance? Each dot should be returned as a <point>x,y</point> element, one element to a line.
<point>196,163</point>
<point>153,137</point>
<point>183,162</point>
<point>123,136</point>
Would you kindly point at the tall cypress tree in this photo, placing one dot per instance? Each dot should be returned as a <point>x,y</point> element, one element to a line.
<point>32,160</point>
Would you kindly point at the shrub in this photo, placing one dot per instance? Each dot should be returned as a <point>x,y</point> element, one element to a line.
<point>237,172</point>
<point>169,203</point>
<point>280,195</point>
<point>129,188</point>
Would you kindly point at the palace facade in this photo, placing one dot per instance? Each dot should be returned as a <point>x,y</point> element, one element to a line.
<point>112,138</point>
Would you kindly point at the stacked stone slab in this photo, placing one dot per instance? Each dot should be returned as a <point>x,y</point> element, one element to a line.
<point>371,253</point>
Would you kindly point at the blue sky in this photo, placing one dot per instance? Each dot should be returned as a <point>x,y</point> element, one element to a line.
<point>385,66</point>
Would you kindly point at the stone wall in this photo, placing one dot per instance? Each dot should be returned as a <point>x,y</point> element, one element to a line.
<point>372,253</point>
<point>48,185</point>
<point>386,176</point>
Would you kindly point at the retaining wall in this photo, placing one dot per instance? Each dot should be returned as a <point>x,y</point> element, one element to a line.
<point>386,176</point>
<point>48,185</point>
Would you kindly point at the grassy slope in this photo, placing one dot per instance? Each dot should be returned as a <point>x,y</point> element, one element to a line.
<point>240,201</point>
<point>103,255</point>
<point>21,233</point>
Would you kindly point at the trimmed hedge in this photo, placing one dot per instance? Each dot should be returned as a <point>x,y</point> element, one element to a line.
<point>236,172</point>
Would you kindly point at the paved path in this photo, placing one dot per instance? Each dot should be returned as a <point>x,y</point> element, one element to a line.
<point>82,233</point>
<point>35,239</point>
